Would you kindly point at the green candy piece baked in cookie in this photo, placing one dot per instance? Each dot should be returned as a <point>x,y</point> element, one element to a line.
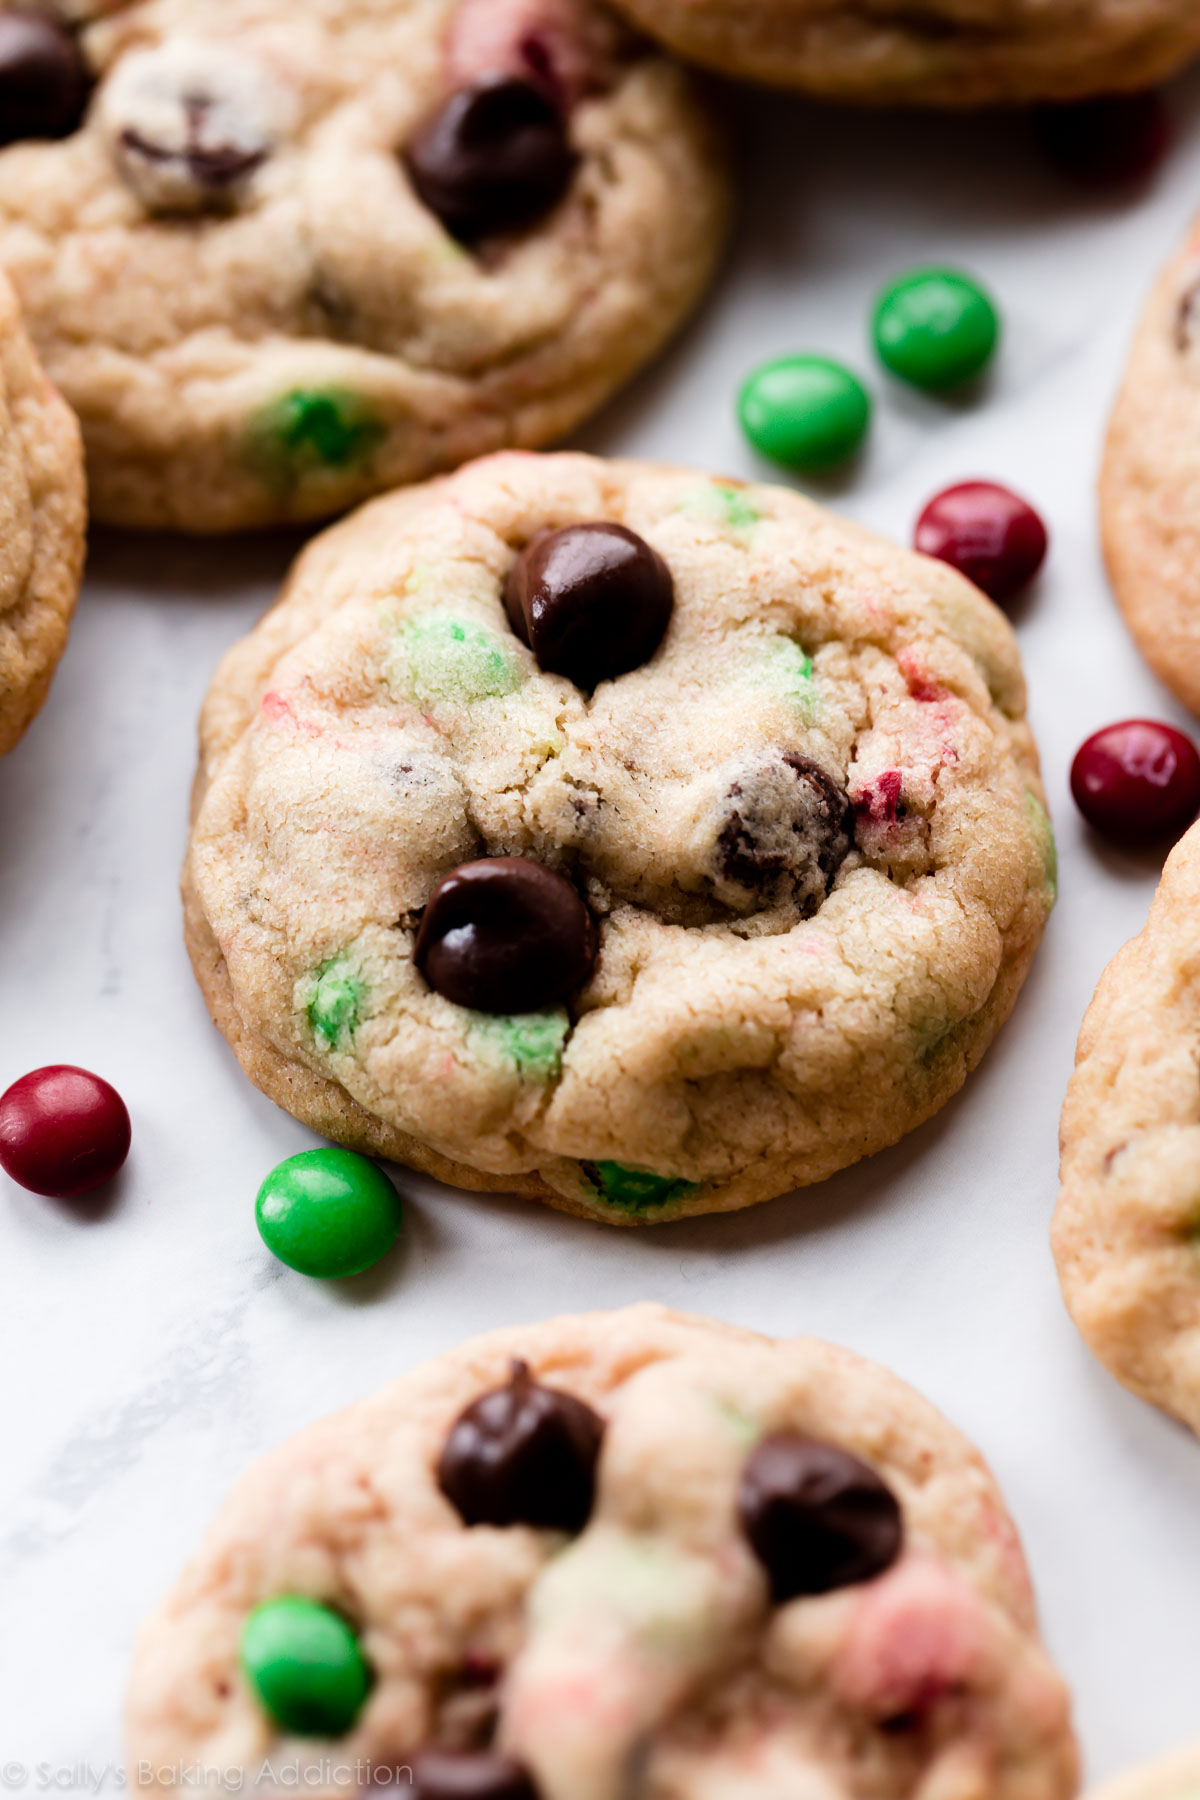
<point>304,1666</point>
<point>637,1190</point>
<point>532,1042</point>
<point>335,1004</point>
<point>312,428</point>
<point>445,658</point>
<point>1043,831</point>
<point>787,669</point>
<point>723,505</point>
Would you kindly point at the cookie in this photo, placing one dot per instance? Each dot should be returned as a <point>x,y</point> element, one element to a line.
<point>42,524</point>
<point>1175,1777</point>
<point>1126,1227</point>
<point>622,1540</point>
<point>738,900</point>
<point>932,52</point>
<point>289,254</point>
<point>1150,481</point>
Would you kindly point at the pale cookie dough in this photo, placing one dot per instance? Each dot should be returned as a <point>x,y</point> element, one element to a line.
<point>1150,483</point>
<point>1175,1777</point>
<point>1127,1228</point>
<point>42,524</point>
<point>641,1653</point>
<point>932,52</point>
<point>233,279</point>
<point>810,829</point>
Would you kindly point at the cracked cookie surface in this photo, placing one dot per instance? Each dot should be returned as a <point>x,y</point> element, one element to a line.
<point>1150,481</point>
<point>1127,1225</point>
<point>639,1649</point>
<point>810,831</point>
<point>42,524</point>
<point>268,285</point>
<point>932,52</point>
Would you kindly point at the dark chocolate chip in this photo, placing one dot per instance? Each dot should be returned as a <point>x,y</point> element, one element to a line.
<point>493,157</point>
<point>789,827</point>
<point>523,1454</point>
<point>505,935</point>
<point>817,1518</point>
<point>44,82</point>
<point>591,601</point>
<point>469,1775</point>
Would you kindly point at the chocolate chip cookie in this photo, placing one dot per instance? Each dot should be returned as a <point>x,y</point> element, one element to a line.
<point>934,52</point>
<point>282,256</point>
<point>739,899</point>
<point>1150,482</point>
<point>1128,1218</point>
<point>42,523</point>
<point>629,1551</point>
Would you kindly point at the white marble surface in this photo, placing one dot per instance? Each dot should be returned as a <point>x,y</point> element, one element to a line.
<point>152,1347</point>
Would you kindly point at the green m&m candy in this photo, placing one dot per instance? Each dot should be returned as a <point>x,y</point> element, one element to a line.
<point>935,328</point>
<point>305,1666</point>
<point>328,1213</point>
<point>804,411</point>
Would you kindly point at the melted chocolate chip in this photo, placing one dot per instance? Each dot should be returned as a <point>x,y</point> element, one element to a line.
<point>591,601</point>
<point>505,935</point>
<point>523,1454</point>
<point>469,1775</point>
<point>493,157</point>
<point>44,81</point>
<point>787,832</point>
<point>817,1518</point>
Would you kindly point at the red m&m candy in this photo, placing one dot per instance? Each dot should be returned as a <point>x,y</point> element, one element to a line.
<point>1137,781</point>
<point>63,1131</point>
<point>987,532</point>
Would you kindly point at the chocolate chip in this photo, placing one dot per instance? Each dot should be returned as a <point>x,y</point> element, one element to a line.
<point>817,1518</point>
<point>523,1454</point>
<point>786,833</point>
<point>469,1775</point>
<point>44,80</point>
<point>493,157</point>
<point>505,935</point>
<point>591,601</point>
